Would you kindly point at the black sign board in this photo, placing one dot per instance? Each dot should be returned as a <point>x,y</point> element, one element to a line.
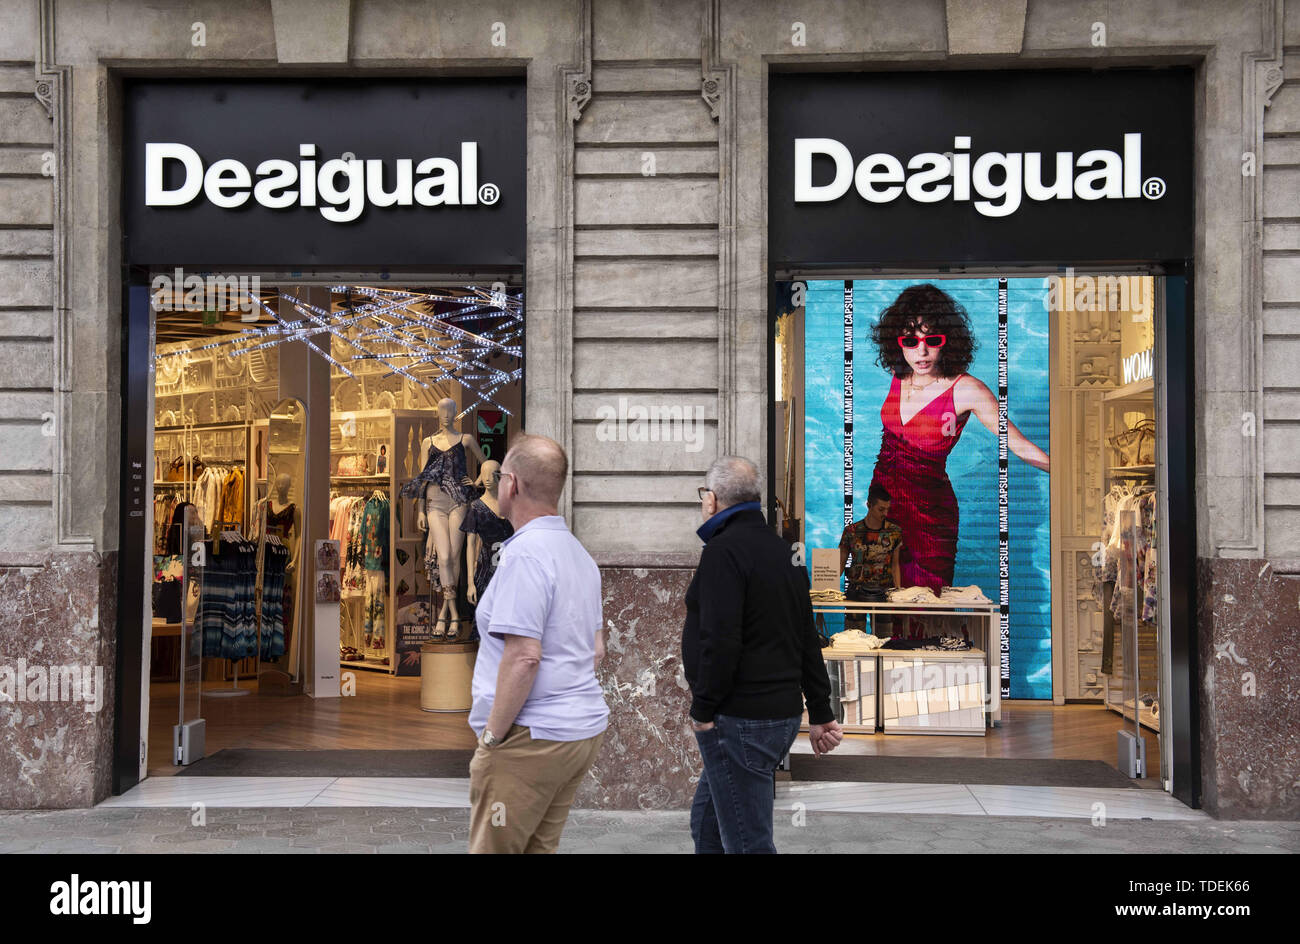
<point>924,169</point>
<point>355,173</point>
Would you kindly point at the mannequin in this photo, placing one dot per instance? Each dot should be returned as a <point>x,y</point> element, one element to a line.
<point>443,491</point>
<point>283,519</point>
<point>486,529</point>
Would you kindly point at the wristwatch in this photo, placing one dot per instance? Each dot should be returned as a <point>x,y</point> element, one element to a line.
<point>488,739</point>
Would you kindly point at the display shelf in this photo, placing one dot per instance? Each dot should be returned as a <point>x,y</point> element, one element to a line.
<point>398,429</point>
<point>983,639</point>
<point>365,664</point>
<point>1122,470</point>
<point>200,427</point>
<point>1148,719</point>
<point>1137,390</point>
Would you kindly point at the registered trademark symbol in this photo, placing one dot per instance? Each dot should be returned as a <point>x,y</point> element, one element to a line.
<point>489,194</point>
<point>1153,188</point>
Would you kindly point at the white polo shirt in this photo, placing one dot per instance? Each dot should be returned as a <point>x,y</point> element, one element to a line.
<point>546,587</point>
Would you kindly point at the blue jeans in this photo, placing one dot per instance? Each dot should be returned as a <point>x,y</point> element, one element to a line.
<point>733,806</point>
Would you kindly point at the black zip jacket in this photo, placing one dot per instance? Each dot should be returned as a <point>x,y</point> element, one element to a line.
<point>749,646</point>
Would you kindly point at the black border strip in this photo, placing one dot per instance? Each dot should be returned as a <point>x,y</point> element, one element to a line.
<point>848,402</point>
<point>1004,511</point>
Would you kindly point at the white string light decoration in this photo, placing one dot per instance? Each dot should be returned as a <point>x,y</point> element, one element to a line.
<point>419,329</point>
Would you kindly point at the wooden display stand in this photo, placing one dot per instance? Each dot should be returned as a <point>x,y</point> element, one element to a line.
<point>447,675</point>
<point>983,617</point>
<point>400,431</point>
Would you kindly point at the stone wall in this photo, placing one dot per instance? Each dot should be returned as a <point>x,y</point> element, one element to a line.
<point>648,760</point>
<point>1250,699</point>
<point>647,279</point>
<point>57,611</point>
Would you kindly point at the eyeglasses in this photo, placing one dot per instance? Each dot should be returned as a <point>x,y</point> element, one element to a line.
<point>910,341</point>
<point>701,491</point>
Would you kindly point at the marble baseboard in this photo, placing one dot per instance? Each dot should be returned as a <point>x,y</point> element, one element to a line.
<point>56,610</point>
<point>649,760</point>
<point>1249,651</point>
<point>60,609</point>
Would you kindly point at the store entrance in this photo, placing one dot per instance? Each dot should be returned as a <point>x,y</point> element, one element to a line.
<point>977,470</point>
<point>334,448</point>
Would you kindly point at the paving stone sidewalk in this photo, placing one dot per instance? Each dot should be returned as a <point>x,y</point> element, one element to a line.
<point>400,830</point>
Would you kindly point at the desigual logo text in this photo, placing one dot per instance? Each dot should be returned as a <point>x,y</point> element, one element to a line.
<point>996,182</point>
<point>341,187</point>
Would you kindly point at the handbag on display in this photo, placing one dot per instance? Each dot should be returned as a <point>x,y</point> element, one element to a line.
<point>176,470</point>
<point>1137,444</point>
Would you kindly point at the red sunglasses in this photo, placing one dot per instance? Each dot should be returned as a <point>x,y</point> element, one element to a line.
<point>910,341</point>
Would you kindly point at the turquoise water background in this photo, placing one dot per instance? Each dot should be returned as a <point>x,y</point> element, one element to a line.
<point>972,466</point>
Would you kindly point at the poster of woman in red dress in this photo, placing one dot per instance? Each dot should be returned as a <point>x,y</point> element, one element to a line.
<point>924,340</point>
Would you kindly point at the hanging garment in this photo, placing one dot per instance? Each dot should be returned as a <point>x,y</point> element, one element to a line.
<point>375,620</point>
<point>446,469</point>
<point>491,529</point>
<point>340,511</point>
<point>354,568</point>
<point>1119,555</point>
<point>912,467</point>
<point>374,560</point>
<point>1103,564</point>
<point>207,497</point>
<point>374,533</point>
<point>163,508</point>
<point>225,604</point>
<point>230,501</point>
<point>273,600</point>
<point>1147,577</point>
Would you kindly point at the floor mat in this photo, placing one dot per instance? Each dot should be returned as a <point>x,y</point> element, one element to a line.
<point>249,762</point>
<point>985,770</point>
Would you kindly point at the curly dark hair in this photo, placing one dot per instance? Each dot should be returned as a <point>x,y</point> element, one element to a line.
<point>938,312</point>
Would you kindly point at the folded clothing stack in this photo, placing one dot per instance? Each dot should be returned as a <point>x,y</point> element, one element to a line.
<point>855,640</point>
<point>971,594</point>
<point>933,643</point>
<point>826,596</point>
<point>913,595</point>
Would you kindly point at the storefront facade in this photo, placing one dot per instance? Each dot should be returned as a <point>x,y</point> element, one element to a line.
<point>649,275</point>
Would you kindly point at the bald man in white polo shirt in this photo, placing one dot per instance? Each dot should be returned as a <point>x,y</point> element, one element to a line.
<point>539,711</point>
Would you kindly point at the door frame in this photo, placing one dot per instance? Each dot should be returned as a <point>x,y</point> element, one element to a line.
<point>1176,489</point>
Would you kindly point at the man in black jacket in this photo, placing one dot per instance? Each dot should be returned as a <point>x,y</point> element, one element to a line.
<point>751,654</point>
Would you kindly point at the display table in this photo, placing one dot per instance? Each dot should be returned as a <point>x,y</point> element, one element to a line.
<point>916,691</point>
<point>853,687</point>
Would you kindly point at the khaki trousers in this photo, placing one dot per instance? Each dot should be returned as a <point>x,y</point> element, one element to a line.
<point>520,791</point>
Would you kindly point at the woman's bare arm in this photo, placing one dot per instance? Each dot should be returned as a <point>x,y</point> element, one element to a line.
<point>970,394</point>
